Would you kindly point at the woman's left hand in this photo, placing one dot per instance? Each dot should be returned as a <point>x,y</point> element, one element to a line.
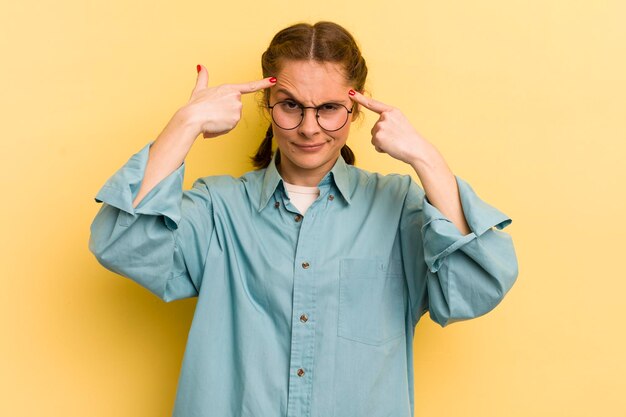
<point>393,134</point>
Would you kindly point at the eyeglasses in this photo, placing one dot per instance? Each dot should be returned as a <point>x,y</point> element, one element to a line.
<point>288,115</point>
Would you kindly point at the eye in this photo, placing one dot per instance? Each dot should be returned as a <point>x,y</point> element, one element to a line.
<point>289,106</point>
<point>330,107</point>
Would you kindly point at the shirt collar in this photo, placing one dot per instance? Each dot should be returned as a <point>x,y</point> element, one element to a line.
<point>339,174</point>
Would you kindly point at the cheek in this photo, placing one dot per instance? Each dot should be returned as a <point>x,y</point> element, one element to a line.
<point>341,136</point>
<point>281,137</point>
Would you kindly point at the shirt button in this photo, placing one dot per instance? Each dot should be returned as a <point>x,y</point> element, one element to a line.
<point>304,318</point>
<point>277,204</point>
<point>331,197</point>
<point>305,265</point>
<point>300,372</point>
<point>298,218</point>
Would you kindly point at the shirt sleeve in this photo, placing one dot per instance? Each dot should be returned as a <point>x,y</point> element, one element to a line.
<point>162,243</point>
<point>454,276</point>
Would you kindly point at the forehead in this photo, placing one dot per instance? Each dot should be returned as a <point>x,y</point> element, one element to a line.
<point>311,82</point>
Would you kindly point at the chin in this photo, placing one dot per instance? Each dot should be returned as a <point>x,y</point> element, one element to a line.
<point>309,162</point>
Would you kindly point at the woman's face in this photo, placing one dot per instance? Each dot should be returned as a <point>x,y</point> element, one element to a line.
<point>308,152</point>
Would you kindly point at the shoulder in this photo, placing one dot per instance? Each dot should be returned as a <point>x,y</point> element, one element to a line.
<point>228,182</point>
<point>378,184</point>
<point>230,188</point>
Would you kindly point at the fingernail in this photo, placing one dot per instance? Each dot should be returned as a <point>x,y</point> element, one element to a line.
<point>273,80</point>
<point>198,68</point>
<point>352,92</point>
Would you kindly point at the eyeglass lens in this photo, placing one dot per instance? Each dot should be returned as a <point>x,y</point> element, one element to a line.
<point>289,114</point>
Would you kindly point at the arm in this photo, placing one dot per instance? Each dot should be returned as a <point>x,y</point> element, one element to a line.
<point>394,135</point>
<point>459,266</point>
<point>151,231</point>
<point>161,244</point>
<point>440,186</point>
<point>454,276</point>
<point>212,111</point>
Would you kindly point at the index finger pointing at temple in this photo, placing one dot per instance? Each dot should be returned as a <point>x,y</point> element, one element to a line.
<point>369,103</point>
<point>254,86</point>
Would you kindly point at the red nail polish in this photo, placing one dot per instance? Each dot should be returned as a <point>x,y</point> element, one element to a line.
<point>198,68</point>
<point>273,79</point>
<point>352,92</point>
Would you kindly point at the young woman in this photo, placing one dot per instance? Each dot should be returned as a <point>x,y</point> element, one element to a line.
<point>310,273</point>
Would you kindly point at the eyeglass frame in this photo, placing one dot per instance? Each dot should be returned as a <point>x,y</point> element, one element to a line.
<point>317,115</point>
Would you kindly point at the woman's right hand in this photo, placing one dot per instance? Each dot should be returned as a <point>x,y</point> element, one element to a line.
<point>211,111</point>
<point>217,110</point>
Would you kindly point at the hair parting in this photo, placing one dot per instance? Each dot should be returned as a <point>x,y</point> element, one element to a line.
<point>321,42</point>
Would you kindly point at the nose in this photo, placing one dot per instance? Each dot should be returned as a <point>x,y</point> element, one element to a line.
<point>309,126</point>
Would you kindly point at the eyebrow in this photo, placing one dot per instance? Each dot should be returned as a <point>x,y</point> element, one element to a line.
<point>291,96</point>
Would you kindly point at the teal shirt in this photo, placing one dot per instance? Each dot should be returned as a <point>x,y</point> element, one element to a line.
<point>302,316</point>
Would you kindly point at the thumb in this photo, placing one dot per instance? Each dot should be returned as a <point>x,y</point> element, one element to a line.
<point>203,79</point>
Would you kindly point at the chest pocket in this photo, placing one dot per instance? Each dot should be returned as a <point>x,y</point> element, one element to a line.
<point>371,301</point>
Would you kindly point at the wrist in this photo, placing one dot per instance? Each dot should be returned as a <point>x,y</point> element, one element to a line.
<point>187,129</point>
<point>427,159</point>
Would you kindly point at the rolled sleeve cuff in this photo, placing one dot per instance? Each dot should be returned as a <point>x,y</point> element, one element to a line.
<point>441,237</point>
<point>164,199</point>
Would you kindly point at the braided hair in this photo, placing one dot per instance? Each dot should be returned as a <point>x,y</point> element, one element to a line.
<point>321,42</point>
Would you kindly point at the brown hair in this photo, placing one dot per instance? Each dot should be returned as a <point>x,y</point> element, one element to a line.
<point>321,42</point>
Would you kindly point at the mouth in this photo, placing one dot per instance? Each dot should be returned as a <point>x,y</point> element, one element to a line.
<point>309,147</point>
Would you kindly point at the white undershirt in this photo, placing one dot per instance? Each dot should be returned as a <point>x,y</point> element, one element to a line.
<point>302,197</point>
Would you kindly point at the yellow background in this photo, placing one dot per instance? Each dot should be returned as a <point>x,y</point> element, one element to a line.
<point>525,99</point>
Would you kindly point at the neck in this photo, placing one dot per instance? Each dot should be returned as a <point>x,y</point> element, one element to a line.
<point>303,176</point>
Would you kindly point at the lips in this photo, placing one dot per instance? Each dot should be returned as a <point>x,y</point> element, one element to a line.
<point>310,147</point>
